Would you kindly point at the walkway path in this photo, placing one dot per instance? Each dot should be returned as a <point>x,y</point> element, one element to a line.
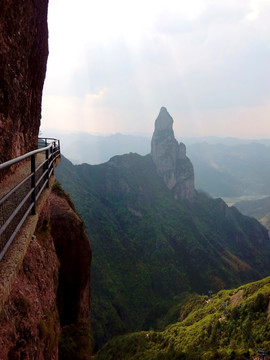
<point>12,261</point>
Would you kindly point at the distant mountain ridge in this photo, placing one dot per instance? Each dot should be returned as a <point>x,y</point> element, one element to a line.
<point>223,170</point>
<point>96,149</point>
<point>224,167</point>
<point>150,246</point>
<point>100,148</point>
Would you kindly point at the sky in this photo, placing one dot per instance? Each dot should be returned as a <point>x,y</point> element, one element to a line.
<point>113,64</point>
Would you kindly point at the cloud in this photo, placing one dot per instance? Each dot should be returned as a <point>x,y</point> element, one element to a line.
<point>198,58</point>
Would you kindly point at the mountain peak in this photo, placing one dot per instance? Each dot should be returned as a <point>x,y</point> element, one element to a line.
<point>170,158</point>
<point>164,120</point>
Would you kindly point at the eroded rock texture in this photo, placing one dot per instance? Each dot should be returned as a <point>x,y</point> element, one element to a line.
<point>23,58</point>
<point>170,158</point>
<point>29,321</point>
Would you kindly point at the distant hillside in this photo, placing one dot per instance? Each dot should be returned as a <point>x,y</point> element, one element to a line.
<point>260,209</point>
<point>93,149</point>
<point>233,324</point>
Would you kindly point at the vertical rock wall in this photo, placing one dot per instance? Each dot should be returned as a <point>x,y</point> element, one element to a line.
<point>170,158</point>
<point>23,59</point>
<point>74,253</point>
<point>47,309</point>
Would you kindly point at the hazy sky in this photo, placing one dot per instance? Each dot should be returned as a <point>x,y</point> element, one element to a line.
<point>113,64</point>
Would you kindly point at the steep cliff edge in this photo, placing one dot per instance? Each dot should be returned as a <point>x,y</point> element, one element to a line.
<point>45,285</point>
<point>50,298</point>
<point>170,158</point>
<point>23,59</point>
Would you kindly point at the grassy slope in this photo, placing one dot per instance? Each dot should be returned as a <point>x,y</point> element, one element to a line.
<point>204,332</point>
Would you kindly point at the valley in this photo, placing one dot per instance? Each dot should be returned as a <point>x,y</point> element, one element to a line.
<point>156,238</point>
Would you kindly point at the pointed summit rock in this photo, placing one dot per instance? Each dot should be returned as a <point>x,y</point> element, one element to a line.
<point>170,158</point>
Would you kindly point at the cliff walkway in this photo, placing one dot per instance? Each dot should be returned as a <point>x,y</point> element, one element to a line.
<point>21,190</point>
<point>24,190</point>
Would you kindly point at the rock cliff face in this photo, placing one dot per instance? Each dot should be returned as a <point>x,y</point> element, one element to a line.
<point>47,313</point>
<point>23,58</point>
<point>170,158</point>
<point>29,323</point>
<point>50,298</point>
<point>74,253</point>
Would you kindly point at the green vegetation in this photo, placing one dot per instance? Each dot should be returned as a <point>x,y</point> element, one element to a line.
<point>150,250</point>
<point>75,342</point>
<point>57,189</point>
<point>209,329</point>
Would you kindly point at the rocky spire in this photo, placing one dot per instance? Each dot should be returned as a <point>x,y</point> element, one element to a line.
<point>170,158</point>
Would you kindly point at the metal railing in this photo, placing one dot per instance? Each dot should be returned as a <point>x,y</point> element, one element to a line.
<point>21,200</point>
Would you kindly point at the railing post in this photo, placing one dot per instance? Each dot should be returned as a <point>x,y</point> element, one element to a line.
<point>52,156</point>
<point>47,168</point>
<point>33,183</point>
<point>58,147</point>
